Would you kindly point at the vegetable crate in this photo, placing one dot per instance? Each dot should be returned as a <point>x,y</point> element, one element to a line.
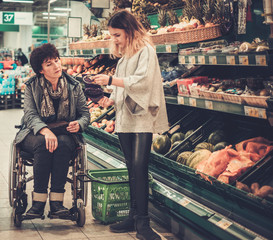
<point>110,194</point>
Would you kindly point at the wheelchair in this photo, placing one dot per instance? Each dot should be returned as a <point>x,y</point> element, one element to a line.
<point>20,161</point>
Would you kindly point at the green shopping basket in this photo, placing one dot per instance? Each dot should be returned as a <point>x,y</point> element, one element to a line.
<point>110,194</point>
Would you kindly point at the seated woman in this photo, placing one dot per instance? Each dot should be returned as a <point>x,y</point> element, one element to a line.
<point>51,96</point>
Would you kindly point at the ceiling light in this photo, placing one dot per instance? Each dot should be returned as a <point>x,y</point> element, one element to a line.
<point>19,1</point>
<point>55,14</point>
<point>62,9</point>
<point>49,17</point>
<point>52,1</point>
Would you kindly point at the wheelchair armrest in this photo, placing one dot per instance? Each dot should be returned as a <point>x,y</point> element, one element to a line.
<point>18,126</point>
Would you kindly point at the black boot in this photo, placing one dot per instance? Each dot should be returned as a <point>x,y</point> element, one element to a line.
<point>57,208</point>
<point>37,209</point>
<point>127,225</point>
<point>144,231</point>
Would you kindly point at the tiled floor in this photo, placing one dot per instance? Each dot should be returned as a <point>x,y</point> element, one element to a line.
<point>46,229</point>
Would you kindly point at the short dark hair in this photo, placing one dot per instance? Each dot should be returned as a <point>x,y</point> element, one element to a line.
<point>42,53</point>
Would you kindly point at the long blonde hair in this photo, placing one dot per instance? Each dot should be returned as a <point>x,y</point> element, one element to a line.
<point>137,36</point>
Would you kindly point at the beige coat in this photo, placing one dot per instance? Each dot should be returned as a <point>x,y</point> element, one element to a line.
<point>140,105</point>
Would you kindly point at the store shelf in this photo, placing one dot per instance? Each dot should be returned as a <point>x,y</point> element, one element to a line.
<point>168,48</point>
<point>244,59</point>
<point>227,107</point>
<point>89,52</point>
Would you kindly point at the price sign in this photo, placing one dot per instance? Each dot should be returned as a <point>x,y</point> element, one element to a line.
<point>192,102</point>
<point>201,59</point>
<point>95,51</point>
<point>192,59</point>
<point>224,223</point>
<point>102,51</point>
<point>209,105</point>
<point>260,60</point>
<point>255,112</point>
<point>243,60</point>
<point>8,17</point>
<point>81,52</point>
<point>168,48</point>
<point>213,60</point>
<point>184,202</point>
<point>182,59</point>
<point>180,100</point>
<point>230,60</point>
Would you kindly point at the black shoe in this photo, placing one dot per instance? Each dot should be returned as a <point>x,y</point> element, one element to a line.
<point>144,231</point>
<point>57,208</point>
<point>128,225</point>
<point>37,209</point>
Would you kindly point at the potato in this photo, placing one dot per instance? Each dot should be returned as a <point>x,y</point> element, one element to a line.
<point>264,191</point>
<point>242,186</point>
<point>255,188</point>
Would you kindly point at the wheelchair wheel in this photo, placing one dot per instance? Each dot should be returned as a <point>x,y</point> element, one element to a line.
<point>17,220</point>
<point>12,174</point>
<point>80,214</point>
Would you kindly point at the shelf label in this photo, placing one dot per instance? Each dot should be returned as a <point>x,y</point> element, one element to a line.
<point>81,52</point>
<point>230,60</point>
<point>168,48</point>
<point>255,112</point>
<point>201,59</point>
<point>192,102</point>
<point>102,51</point>
<point>209,105</point>
<point>192,59</point>
<point>95,51</point>
<point>213,60</point>
<point>182,59</point>
<point>180,100</point>
<point>184,202</point>
<point>224,223</point>
<point>243,60</point>
<point>260,60</point>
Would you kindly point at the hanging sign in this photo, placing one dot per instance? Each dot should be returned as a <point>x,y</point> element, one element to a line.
<point>16,18</point>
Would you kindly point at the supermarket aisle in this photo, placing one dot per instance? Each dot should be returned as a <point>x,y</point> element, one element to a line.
<point>46,229</point>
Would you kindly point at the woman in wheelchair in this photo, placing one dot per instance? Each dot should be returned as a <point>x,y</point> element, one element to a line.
<point>51,98</point>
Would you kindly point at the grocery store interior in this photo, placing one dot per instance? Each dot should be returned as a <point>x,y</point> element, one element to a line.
<point>211,173</point>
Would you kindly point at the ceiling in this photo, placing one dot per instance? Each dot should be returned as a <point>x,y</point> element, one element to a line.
<point>38,7</point>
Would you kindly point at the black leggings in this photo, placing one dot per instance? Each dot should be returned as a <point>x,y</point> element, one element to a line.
<point>136,148</point>
<point>45,164</point>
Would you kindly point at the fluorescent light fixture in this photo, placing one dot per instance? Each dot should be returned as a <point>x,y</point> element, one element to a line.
<point>55,14</point>
<point>62,9</point>
<point>19,1</point>
<point>49,18</point>
<point>52,1</point>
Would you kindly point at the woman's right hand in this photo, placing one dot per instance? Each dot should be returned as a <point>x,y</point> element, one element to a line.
<point>50,138</point>
<point>106,102</point>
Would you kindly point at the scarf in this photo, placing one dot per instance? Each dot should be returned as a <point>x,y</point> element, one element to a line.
<point>47,108</point>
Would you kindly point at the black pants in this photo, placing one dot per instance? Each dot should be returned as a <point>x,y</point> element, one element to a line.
<point>45,164</point>
<point>136,148</point>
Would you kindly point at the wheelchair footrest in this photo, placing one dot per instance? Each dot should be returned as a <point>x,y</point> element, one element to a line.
<point>59,216</point>
<point>27,217</point>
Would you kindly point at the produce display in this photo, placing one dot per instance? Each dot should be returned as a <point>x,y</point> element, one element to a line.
<point>255,189</point>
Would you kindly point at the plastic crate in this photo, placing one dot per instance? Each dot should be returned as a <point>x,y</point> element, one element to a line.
<point>110,194</point>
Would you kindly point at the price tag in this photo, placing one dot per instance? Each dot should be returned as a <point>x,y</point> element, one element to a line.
<point>184,202</point>
<point>252,111</point>
<point>230,60</point>
<point>102,51</point>
<point>192,102</point>
<point>182,59</point>
<point>95,51</point>
<point>224,223</point>
<point>192,59</point>
<point>168,48</point>
<point>260,60</point>
<point>180,100</point>
<point>81,52</point>
<point>201,59</point>
<point>243,60</point>
<point>213,60</point>
<point>209,104</point>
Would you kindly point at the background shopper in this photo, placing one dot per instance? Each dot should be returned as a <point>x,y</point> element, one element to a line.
<point>140,111</point>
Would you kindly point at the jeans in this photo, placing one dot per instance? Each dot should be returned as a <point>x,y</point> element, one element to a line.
<point>45,163</point>
<point>136,148</point>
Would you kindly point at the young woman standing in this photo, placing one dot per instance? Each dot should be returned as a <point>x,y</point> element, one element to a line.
<point>140,106</point>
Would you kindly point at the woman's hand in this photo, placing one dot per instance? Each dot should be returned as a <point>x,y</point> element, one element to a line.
<point>106,102</point>
<point>50,138</point>
<point>73,127</point>
<point>101,79</point>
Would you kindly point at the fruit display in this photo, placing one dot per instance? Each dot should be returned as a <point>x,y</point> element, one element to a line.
<point>255,189</point>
